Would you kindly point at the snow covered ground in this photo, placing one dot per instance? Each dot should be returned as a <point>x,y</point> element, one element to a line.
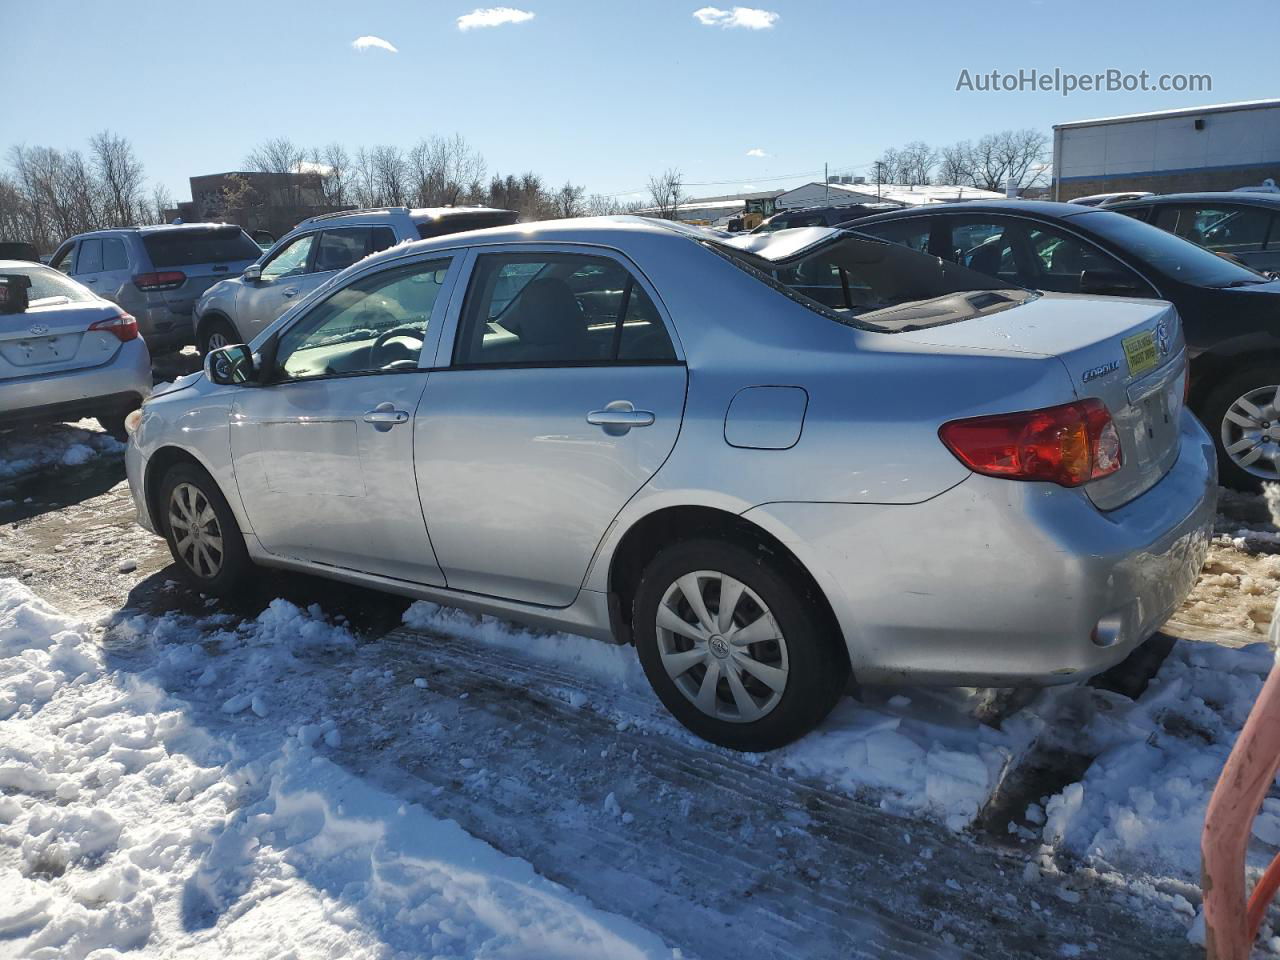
<point>31,450</point>
<point>124,826</point>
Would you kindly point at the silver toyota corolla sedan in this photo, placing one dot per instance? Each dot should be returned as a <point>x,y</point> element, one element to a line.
<point>769,461</point>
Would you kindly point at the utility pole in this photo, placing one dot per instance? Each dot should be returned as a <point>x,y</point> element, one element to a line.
<point>826,179</point>
<point>878,179</point>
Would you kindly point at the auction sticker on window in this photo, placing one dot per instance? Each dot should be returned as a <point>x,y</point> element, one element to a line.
<point>1140,352</point>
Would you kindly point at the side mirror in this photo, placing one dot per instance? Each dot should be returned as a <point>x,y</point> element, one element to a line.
<point>252,272</point>
<point>230,366</point>
<point>1110,283</point>
<point>13,292</point>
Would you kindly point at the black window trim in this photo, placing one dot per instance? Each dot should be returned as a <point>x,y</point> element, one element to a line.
<point>284,245</point>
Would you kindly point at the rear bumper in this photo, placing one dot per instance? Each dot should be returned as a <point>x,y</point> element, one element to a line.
<point>998,583</point>
<point>118,385</point>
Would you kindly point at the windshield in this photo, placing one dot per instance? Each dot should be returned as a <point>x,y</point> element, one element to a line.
<point>1169,254</point>
<point>870,283</point>
<point>47,284</point>
<point>180,248</point>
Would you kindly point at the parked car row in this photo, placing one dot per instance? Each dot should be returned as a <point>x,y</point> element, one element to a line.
<point>1231,313</point>
<point>660,434</point>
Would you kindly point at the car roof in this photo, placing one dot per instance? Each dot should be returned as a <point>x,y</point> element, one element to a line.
<point>156,228</point>
<point>1219,196</point>
<point>602,231</point>
<point>416,214</point>
<point>1044,208</point>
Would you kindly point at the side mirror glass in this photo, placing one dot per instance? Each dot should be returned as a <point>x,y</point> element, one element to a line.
<point>252,272</point>
<point>13,292</point>
<point>1110,283</point>
<point>230,366</point>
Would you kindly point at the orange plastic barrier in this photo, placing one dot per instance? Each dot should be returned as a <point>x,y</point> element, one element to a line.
<point>1231,923</point>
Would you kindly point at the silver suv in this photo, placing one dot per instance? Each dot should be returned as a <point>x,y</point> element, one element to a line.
<point>236,310</point>
<point>157,273</point>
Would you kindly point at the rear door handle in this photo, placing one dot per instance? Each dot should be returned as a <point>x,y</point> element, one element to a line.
<point>289,292</point>
<point>619,417</point>
<point>385,416</point>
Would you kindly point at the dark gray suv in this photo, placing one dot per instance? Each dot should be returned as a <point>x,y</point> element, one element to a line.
<point>158,273</point>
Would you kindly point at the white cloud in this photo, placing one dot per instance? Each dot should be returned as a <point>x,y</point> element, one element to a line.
<point>750,18</point>
<point>756,152</point>
<point>492,17</point>
<point>372,43</point>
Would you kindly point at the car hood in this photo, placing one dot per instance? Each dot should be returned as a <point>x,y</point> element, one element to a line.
<point>181,383</point>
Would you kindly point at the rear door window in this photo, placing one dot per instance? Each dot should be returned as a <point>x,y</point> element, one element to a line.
<point>89,259</point>
<point>1062,259</point>
<point>113,254</point>
<point>558,308</point>
<point>180,248</point>
<point>1228,229</point>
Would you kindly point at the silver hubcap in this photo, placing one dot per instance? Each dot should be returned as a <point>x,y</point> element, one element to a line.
<point>218,340</point>
<point>197,537</point>
<point>1251,432</point>
<point>721,646</point>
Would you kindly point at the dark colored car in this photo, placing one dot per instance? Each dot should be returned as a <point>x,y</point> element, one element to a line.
<point>19,250</point>
<point>821,216</point>
<point>1230,313</point>
<point>1241,225</point>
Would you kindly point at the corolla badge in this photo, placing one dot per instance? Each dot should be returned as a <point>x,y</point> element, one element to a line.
<point>1162,338</point>
<point>38,330</point>
<point>1100,371</point>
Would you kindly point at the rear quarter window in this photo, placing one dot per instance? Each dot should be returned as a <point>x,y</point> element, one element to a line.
<point>179,248</point>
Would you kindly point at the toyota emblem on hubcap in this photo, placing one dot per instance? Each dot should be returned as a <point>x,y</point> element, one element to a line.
<point>719,646</point>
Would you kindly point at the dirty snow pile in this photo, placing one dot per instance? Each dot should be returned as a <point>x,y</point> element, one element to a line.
<point>1140,807</point>
<point>125,824</point>
<point>28,450</point>
<point>914,752</point>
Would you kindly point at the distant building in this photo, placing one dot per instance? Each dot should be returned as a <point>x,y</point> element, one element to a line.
<point>1220,147</point>
<point>274,202</point>
<point>850,191</point>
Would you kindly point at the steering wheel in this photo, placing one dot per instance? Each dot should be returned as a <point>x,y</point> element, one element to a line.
<point>405,330</point>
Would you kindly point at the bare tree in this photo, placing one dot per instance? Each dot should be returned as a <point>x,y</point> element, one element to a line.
<point>567,201</point>
<point>160,202</point>
<point>120,174</point>
<point>955,164</point>
<point>391,176</point>
<point>666,190</point>
<point>889,167</point>
<point>917,160</point>
<point>443,169</point>
<point>1025,154</point>
<point>334,166</point>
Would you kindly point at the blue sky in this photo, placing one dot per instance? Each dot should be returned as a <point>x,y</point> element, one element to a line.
<point>597,92</point>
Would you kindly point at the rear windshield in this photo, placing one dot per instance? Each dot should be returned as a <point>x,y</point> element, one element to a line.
<point>869,283</point>
<point>179,248</point>
<point>16,250</point>
<point>47,284</point>
<point>1167,253</point>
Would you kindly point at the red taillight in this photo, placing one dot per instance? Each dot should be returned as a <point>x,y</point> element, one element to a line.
<point>169,280</point>
<point>1067,445</point>
<point>125,327</point>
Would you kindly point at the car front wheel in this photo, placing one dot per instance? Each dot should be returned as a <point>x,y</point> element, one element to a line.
<point>215,335</point>
<point>735,645</point>
<point>1243,414</point>
<point>201,530</point>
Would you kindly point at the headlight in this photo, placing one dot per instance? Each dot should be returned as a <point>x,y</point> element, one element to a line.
<point>132,422</point>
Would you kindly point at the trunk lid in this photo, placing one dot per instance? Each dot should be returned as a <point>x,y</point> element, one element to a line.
<point>53,336</point>
<point>1129,354</point>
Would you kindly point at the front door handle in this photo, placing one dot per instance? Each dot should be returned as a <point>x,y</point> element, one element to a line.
<point>385,416</point>
<point>289,292</point>
<point>619,417</point>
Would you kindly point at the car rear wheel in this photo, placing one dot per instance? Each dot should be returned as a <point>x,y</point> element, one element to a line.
<point>215,335</point>
<point>1243,413</point>
<point>201,530</point>
<point>735,645</point>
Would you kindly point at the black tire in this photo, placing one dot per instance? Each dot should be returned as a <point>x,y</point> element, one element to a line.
<point>818,666</point>
<point>1213,413</point>
<point>113,423</point>
<point>234,565</point>
<point>216,326</point>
